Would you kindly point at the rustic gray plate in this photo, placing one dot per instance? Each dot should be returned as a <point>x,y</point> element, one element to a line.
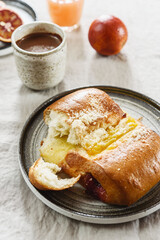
<point>74,202</point>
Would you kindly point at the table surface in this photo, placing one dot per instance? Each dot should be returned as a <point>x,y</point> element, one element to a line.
<point>22,215</point>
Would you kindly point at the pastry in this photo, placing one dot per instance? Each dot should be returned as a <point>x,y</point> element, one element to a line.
<point>90,138</point>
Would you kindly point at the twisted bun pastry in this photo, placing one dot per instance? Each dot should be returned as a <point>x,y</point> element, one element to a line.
<point>114,156</point>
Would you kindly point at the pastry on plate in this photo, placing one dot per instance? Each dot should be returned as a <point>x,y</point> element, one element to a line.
<point>92,140</point>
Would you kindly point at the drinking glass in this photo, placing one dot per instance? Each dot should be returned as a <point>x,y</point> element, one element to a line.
<point>66,13</point>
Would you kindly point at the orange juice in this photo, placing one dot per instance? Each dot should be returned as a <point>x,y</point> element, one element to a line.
<point>66,13</point>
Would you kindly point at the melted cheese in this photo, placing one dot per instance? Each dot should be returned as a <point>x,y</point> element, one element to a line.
<point>55,149</point>
<point>113,134</point>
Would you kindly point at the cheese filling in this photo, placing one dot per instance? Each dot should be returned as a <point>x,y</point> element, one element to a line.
<point>62,138</point>
<point>55,150</point>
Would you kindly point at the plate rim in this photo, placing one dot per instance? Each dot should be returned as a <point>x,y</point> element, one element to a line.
<point>71,213</point>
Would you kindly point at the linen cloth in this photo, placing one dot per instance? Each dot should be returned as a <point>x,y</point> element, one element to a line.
<point>137,67</point>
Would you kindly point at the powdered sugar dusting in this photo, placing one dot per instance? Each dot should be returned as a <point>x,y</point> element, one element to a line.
<point>139,133</point>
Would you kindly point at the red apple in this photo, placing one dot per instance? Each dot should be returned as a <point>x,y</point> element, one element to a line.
<point>107,35</point>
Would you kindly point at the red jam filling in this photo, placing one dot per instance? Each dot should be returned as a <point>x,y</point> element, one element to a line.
<point>93,187</point>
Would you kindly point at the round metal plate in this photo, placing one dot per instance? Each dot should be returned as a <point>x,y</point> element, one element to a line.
<point>27,14</point>
<point>75,202</point>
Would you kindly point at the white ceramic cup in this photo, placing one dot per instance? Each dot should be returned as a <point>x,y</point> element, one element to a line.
<point>40,70</point>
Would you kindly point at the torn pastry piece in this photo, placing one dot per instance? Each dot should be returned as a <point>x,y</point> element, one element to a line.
<point>43,175</point>
<point>89,135</point>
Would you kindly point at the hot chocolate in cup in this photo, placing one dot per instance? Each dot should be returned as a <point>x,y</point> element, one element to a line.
<point>40,67</point>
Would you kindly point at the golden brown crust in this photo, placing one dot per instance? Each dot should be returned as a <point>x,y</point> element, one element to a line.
<point>87,100</point>
<point>126,173</point>
<point>33,178</point>
<point>38,180</point>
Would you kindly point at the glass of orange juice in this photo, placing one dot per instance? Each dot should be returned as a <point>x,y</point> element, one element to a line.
<point>66,13</point>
